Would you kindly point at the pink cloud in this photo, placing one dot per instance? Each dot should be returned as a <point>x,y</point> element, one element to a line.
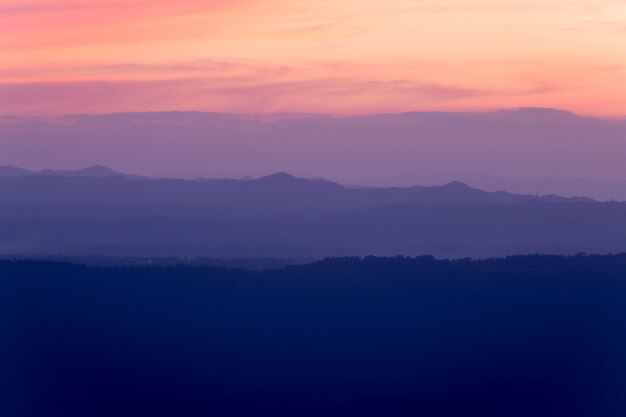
<point>231,94</point>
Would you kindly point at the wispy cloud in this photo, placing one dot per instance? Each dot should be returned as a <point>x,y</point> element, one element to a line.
<point>345,56</point>
<point>232,94</point>
<point>35,8</point>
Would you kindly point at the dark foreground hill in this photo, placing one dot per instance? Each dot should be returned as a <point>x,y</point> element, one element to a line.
<point>535,336</point>
<point>283,216</point>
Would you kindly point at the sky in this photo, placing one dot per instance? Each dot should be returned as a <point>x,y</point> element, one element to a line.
<point>564,153</point>
<point>341,57</point>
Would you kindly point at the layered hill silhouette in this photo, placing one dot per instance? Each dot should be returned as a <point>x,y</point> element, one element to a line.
<point>99,211</point>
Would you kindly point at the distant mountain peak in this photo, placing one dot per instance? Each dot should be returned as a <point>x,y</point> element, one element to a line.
<point>91,171</point>
<point>457,185</point>
<point>285,179</point>
<point>97,170</point>
<point>279,177</point>
<point>13,171</point>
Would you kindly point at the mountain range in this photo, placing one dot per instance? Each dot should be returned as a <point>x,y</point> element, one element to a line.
<point>95,171</point>
<point>526,150</point>
<point>99,211</point>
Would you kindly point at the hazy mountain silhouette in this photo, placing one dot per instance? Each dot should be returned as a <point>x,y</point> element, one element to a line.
<point>96,171</point>
<point>596,188</point>
<point>506,143</point>
<point>279,191</point>
<point>11,171</point>
<point>284,216</point>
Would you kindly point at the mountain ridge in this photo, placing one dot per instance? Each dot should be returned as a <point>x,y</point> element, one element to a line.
<point>281,215</point>
<point>363,150</point>
<point>276,179</point>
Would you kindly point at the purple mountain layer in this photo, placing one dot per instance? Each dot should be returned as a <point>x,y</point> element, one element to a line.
<point>284,216</point>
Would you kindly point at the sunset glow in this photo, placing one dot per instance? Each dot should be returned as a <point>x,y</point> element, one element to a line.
<point>340,57</point>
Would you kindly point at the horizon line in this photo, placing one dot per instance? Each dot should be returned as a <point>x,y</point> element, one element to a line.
<point>261,115</point>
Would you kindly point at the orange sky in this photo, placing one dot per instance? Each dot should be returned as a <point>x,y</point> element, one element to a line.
<point>329,56</point>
